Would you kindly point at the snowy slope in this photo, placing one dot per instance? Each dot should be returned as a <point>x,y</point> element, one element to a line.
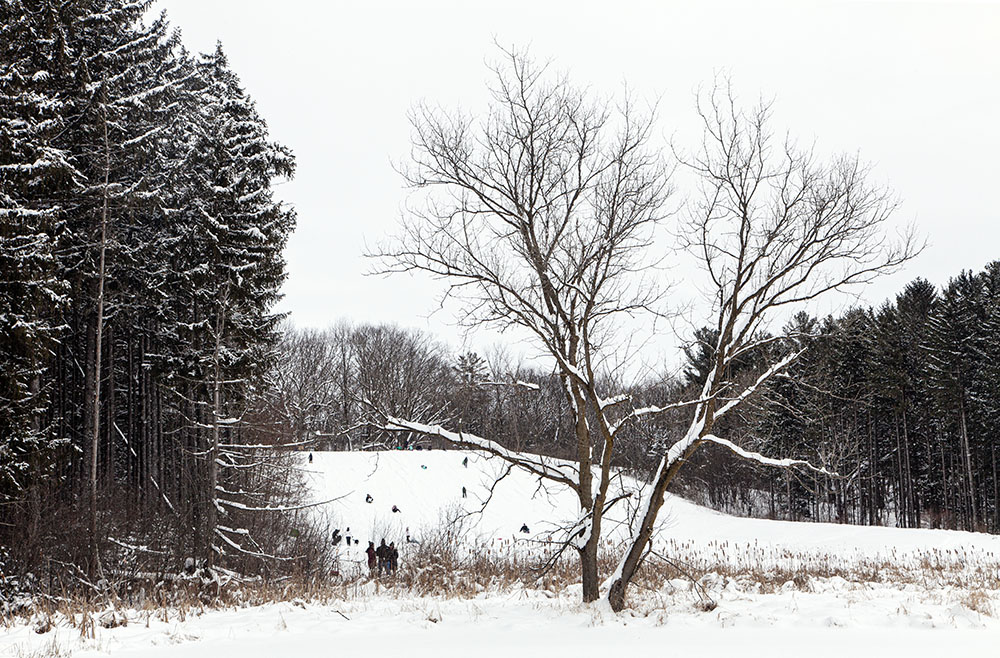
<point>826,616</point>
<point>426,486</point>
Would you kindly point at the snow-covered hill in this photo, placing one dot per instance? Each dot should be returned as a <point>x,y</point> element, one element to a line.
<point>426,488</point>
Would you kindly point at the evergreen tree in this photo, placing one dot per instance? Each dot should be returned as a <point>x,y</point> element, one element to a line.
<point>34,171</point>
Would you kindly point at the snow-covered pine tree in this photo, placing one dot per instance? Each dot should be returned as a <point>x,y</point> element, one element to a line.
<point>115,111</point>
<point>228,235</point>
<point>35,172</point>
<point>984,394</point>
<point>951,346</point>
<point>898,383</point>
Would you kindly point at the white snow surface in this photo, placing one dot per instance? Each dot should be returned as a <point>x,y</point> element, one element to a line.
<point>533,626</point>
<point>426,486</point>
<point>828,616</point>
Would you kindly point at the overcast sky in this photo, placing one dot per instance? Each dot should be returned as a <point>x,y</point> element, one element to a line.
<point>913,87</point>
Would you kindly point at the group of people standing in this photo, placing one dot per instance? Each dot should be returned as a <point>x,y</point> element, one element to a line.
<point>384,558</point>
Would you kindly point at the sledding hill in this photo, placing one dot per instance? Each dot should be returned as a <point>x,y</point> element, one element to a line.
<point>426,487</point>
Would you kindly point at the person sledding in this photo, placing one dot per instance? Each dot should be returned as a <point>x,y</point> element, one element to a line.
<point>395,509</point>
<point>524,528</point>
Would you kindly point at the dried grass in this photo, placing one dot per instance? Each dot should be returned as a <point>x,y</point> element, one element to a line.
<point>445,567</point>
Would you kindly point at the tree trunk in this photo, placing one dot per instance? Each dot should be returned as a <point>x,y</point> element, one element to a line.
<point>212,520</point>
<point>94,568</point>
<point>996,488</point>
<point>588,567</point>
<point>968,470</point>
<point>637,549</point>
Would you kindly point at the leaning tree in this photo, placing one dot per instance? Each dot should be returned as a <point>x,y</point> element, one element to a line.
<point>773,226</point>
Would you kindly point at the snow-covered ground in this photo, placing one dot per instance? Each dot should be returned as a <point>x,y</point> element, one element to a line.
<point>944,604</point>
<point>426,486</point>
<point>531,625</point>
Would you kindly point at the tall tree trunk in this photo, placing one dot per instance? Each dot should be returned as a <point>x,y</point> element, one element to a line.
<point>996,488</point>
<point>212,518</point>
<point>912,498</point>
<point>968,469</point>
<point>902,509</point>
<point>94,568</point>
<point>639,546</point>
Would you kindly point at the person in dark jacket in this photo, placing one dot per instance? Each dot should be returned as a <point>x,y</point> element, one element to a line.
<point>393,558</point>
<point>370,552</point>
<point>524,528</point>
<point>382,553</point>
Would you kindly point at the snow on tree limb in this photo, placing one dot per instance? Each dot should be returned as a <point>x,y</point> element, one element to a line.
<point>536,464</point>
<point>220,531</point>
<point>764,377</point>
<point>278,508</point>
<point>762,459</point>
<point>649,411</point>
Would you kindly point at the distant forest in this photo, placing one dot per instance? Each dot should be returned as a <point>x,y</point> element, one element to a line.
<point>901,401</point>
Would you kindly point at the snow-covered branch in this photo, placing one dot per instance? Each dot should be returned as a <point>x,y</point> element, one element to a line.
<point>650,411</point>
<point>536,464</point>
<point>764,377</point>
<point>243,532</point>
<point>278,508</point>
<point>768,461</point>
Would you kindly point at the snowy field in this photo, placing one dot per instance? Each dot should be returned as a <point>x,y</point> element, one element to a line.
<point>944,602</point>
<point>494,627</point>
<point>426,486</point>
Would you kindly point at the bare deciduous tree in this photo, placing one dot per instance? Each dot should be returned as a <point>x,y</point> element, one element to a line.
<point>542,217</point>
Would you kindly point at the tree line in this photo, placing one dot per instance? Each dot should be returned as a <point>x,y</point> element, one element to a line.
<point>327,382</point>
<point>140,257</point>
<point>901,400</point>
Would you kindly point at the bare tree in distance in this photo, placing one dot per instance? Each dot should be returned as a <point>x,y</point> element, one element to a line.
<point>772,226</point>
<point>541,216</point>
